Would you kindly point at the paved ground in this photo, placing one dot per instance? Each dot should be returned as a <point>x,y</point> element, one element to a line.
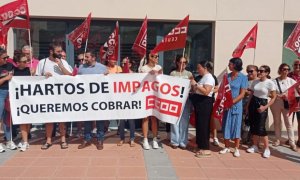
<point>126,162</point>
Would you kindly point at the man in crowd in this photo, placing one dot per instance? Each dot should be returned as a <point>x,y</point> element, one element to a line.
<point>54,66</point>
<point>92,67</point>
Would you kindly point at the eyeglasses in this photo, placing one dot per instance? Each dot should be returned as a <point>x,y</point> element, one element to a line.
<point>261,71</point>
<point>6,57</point>
<point>154,56</point>
<point>296,64</point>
<point>80,59</point>
<point>285,69</point>
<point>250,71</point>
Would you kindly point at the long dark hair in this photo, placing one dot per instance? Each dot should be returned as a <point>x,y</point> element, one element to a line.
<point>238,63</point>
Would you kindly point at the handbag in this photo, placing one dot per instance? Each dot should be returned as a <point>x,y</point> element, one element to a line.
<point>285,102</point>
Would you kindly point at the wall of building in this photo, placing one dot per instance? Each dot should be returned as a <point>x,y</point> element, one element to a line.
<point>232,20</point>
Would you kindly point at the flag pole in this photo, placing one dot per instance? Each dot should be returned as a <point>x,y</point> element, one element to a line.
<point>254,56</point>
<point>181,65</point>
<point>30,50</point>
<point>85,47</point>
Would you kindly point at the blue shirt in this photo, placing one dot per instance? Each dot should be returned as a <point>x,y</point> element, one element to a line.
<point>94,69</point>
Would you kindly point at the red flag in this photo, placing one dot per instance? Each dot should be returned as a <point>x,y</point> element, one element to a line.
<point>293,42</point>
<point>81,33</point>
<point>224,99</point>
<point>3,36</point>
<point>15,14</point>
<point>75,71</point>
<point>294,106</point>
<point>109,51</point>
<point>249,41</point>
<point>175,39</point>
<point>140,43</point>
<point>125,68</point>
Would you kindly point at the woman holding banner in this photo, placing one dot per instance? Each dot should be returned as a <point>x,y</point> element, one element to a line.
<point>179,132</point>
<point>203,104</point>
<point>126,64</point>
<point>23,70</point>
<point>153,68</point>
<point>232,118</point>
<point>258,104</point>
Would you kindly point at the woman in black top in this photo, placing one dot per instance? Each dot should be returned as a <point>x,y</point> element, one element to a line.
<point>23,70</point>
<point>5,76</point>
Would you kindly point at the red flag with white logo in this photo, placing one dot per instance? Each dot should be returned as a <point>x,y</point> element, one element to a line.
<point>293,41</point>
<point>109,51</point>
<point>3,36</point>
<point>15,14</point>
<point>224,99</point>
<point>175,39</point>
<point>249,41</point>
<point>292,93</point>
<point>81,33</point>
<point>140,43</point>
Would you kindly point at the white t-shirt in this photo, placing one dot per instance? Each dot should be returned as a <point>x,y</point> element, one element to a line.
<point>184,74</point>
<point>261,89</point>
<point>207,79</point>
<point>146,68</point>
<point>52,67</point>
<point>284,84</point>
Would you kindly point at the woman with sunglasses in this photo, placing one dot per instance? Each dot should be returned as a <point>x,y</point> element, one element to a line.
<point>232,118</point>
<point>153,68</point>
<point>179,132</point>
<point>257,108</point>
<point>5,75</point>
<point>23,70</point>
<point>295,74</point>
<point>252,71</point>
<point>278,107</point>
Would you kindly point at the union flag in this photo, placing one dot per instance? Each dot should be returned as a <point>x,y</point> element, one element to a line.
<point>249,41</point>
<point>175,39</point>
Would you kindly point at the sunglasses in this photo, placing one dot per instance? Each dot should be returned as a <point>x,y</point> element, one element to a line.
<point>296,64</point>
<point>250,71</point>
<point>261,71</point>
<point>80,59</point>
<point>6,57</point>
<point>154,56</point>
<point>285,69</point>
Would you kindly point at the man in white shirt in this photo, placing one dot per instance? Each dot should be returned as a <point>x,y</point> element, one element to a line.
<point>54,66</point>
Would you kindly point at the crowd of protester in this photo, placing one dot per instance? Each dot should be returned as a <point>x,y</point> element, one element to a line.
<point>246,120</point>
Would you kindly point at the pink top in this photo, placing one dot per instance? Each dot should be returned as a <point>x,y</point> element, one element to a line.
<point>35,62</point>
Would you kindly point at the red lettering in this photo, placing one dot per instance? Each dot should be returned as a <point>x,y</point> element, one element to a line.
<point>135,85</point>
<point>163,90</point>
<point>146,86</point>
<point>175,89</point>
<point>124,87</point>
<point>154,86</point>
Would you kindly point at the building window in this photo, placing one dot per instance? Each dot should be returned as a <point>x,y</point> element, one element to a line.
<point>288,56</point>
<point>43,32</point>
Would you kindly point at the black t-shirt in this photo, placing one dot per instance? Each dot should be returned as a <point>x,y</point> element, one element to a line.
<point>4,70</point>
<point>21,72</point>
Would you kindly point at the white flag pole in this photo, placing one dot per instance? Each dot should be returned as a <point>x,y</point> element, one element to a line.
<point>30,50</point>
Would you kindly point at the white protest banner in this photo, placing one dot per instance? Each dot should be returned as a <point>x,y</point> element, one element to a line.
<point>97,97</point>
